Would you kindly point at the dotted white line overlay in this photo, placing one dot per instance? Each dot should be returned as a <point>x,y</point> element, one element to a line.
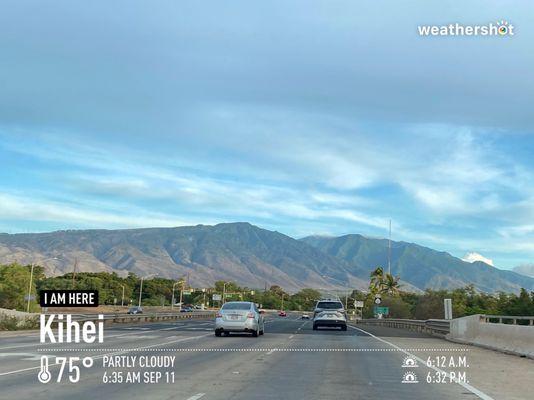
<point>258,350</point>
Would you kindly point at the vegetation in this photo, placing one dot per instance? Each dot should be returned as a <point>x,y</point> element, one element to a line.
<point>11,323</point>
<point>14,281</point>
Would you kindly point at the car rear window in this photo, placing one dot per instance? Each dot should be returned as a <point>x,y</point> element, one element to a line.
<point>330,305</point>
<point>236,306</point>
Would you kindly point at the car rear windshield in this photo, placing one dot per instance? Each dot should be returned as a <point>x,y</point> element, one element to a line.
<point>236,306</point>
<point>330,305</point>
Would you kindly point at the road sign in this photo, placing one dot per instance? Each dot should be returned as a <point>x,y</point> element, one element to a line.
<point>358,304</point>
<point>216,297</point>
<point>378,301</point>
<point>382,310</point>
<point>187,291</point>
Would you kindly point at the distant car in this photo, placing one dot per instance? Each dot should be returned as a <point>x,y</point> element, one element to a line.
<point>330,319</point>
<point>135,310</point>
<point>282,314</point>
<point>239,316</point>
<point>305,316</point>
<point>186,309</point>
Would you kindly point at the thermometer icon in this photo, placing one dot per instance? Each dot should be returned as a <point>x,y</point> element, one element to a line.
<point>44,375</point>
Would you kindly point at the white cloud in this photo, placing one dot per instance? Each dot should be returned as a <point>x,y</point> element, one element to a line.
<point>25,208</point>
<point>472,257</point>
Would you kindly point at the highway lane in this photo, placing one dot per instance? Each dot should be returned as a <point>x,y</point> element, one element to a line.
<point>290,361</point>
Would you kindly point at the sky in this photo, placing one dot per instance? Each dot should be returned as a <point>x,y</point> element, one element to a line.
<point>305,117</point>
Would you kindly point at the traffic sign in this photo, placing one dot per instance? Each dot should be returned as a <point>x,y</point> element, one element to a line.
<point>378,301</point>
<point>216,297</point>
<point>382,310</point>
<point>358,304</point>
<point>187,291</point>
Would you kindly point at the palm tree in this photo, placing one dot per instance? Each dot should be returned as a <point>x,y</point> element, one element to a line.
<point>391,284</point>
<point>377,280</point>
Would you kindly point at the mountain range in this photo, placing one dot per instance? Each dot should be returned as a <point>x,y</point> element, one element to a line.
<point>252,257</point>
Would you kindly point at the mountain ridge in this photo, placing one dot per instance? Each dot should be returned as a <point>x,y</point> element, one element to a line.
<point>251,256</point>
<point>421,266</point>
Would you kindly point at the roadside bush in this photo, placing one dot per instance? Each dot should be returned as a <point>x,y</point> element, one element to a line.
<point>11,323</point>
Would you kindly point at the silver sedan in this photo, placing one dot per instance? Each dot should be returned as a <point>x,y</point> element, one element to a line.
<point>239,316</point>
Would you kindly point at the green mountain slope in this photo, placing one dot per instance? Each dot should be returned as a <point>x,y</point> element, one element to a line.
<point>418,265</point>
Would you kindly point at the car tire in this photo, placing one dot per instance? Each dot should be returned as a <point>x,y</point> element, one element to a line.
<point>261,332</point>
<point>226,333</point>
<point>344,328</point>
<point>218,333</point>
<point>314,327</point>
<point>256,333</point>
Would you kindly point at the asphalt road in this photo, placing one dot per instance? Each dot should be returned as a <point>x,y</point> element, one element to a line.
<point>291,361</point>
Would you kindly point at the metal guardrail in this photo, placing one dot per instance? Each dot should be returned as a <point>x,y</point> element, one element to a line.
<point>437,327</point>
<point>507,319</point>
<point>149,317</point>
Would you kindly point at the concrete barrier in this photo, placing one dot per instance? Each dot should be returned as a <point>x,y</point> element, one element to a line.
<point>514,339</point>
<point>435,327</point>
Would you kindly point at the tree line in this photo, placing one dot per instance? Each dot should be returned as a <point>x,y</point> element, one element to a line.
<point>15,278</point>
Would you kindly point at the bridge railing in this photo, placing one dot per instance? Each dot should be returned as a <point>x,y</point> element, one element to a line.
<point>507,319</point>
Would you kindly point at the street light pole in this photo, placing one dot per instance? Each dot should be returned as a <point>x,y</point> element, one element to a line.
<point>31,281</point>
<point>181,294</point>
<point>30,289</point>
<point>224,292</point>
<point>141,290</point>
<point>173,287</point>
<point>122,300</point>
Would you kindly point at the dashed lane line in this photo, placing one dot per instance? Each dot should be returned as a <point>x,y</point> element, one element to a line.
<point>467,386</point>
<point>196,396</point>
<point>113,353</point>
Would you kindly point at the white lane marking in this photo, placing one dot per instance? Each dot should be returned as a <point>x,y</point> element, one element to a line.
<point>196,396</point>
<point>112,353</point>
<point>120,335</point>
<point>24,356</point>
<point>467,386</point>
<point>291,336</point>
<point>138,329</point>
<point>271,351</point>
<point>19,346</point>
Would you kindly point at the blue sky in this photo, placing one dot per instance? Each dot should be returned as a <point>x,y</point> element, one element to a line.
<point>305,117</point>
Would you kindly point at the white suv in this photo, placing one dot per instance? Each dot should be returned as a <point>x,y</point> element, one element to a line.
<point>329,313</point>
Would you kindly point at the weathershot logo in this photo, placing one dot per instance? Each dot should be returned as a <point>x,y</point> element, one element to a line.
<point>500,28</point>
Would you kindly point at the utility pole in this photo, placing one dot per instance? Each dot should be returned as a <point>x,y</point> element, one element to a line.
<point>141,287</point>
<point>141,290</point>
<point>122,301</point>
<point>74,272</point>
<point>224,292</point>
<point>389,249</point>
<point>181,294</point>
<point>173,286</point>
<point>30,289</point>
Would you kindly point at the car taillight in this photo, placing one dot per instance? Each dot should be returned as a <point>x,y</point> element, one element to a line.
<point>250,315</point>
<point>218,315</point>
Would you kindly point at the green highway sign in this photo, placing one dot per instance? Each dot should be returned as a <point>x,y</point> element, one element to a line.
<point>382,310</point>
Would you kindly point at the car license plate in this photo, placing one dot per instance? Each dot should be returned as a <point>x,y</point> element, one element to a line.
<point>234,316</point>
